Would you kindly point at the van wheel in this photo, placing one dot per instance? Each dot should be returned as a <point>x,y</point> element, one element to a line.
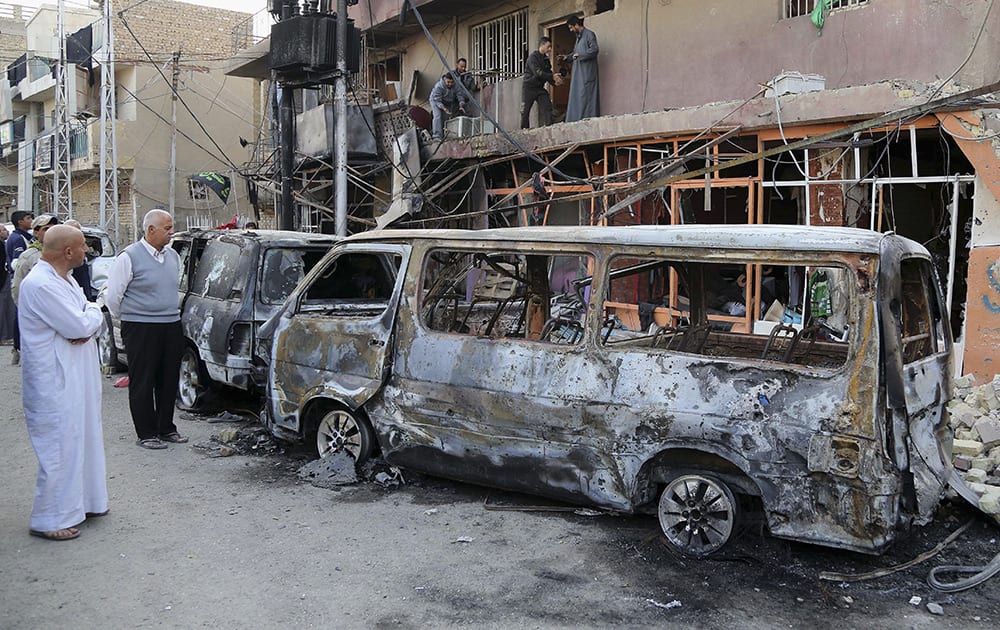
<point>191,388</point>
<point>107,352</point>
<point>348,431</point>
<point>697,514</point>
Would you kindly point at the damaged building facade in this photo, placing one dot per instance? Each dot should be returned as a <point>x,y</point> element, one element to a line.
<point>184,43</point>
<point>712,113</point>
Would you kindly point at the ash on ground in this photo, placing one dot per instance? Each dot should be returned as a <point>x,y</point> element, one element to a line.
<point>251,440</point>
<point>339,469</point>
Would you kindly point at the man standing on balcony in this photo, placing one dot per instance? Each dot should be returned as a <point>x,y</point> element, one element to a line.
<point>538,73</point>
<point>471,84</point>
<point>584,88</point>
<point>443,100</point>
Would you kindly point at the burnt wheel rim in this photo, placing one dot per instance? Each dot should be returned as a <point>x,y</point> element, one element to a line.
<point>104,349</point>
<point>339,431</point>
<point>697,514</point>
<point>190,381</point>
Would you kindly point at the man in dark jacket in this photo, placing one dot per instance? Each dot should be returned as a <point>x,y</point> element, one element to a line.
<point>463,76</point>
<point>20,239</point>
<point>15,246</point>
<point>538,73</point>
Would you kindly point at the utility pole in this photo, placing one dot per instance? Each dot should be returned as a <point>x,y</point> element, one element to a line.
<point>286,122</point>
<point>173,129</point>
<point>109,144</point>
<point>62,189</point>
<point>340,115</point>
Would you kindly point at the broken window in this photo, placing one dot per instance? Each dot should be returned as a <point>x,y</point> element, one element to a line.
<point>217,270</point>
<point>506,294</point>
<point>921,324</point>
<point>795,8</point>
<point>501,45</point>
<point>701,308</point>
<point>354,284</point>
<point>603,6</point>
<point>282,270</point>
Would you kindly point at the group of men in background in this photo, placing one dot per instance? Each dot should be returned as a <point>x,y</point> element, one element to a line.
<point>61,377</point>
<point>448,98</point>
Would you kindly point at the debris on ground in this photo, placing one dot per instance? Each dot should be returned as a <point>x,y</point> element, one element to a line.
<point>463,539</point>
<point>671,604</point>
<point>252,440</point>
<point>390,479</point>
<point>934,609</point>
<point>228,436</point>
<point>975,419</point>
<point>225,416</point>
<point>336,469</point>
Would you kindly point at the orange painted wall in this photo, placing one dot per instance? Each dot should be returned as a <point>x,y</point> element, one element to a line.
<point>982,324</point>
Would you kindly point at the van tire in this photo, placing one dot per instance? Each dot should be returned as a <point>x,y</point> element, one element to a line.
<point>107,351</point>
<point>192,384</point>
<point>697,514</point>
<point>340,429</point>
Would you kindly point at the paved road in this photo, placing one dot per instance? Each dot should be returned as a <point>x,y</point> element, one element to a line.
<point>233,542</point>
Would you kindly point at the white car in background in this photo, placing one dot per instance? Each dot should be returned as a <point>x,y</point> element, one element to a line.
<point>102,256</point>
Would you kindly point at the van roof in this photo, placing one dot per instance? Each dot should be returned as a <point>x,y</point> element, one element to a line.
<point>749,237</point>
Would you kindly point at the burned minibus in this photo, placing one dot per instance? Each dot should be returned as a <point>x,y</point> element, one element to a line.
<point>691,372</point>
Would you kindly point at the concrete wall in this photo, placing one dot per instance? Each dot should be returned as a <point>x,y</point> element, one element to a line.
<point>703,51</point>
<point>222,104</point>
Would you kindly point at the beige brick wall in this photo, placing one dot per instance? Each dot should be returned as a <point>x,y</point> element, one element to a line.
<point>11,41</point>
<point>164,26</point>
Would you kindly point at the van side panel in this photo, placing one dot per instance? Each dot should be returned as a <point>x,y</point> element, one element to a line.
<point>589,422</point>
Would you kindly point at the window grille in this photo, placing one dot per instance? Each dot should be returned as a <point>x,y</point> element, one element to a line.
<point>501,45</point>
<point>795,8</point>
<point>78,143</point>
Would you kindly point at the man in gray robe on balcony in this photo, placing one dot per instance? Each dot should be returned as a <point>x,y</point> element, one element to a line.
<point>584,88</point>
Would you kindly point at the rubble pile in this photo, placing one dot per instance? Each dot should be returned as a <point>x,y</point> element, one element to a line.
<point>975,419</point>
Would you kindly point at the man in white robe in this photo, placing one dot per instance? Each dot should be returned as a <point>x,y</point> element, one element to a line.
<point>62,389</point>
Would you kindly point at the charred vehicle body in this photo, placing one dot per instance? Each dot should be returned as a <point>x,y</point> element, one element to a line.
<point>686,371</point>
<point>231,282</point>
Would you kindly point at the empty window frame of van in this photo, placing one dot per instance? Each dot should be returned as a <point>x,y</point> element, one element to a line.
<point>699,308</point>
<point>508,294</point>
<point>354,284</point>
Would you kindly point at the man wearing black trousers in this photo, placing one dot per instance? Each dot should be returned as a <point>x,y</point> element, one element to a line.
<point>142,293</point>
<point>538,73</point>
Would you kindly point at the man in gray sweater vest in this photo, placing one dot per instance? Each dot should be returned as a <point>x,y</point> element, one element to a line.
<point>142,293</point>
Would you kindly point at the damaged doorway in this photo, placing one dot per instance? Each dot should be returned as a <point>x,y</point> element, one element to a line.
<point>563,42</point>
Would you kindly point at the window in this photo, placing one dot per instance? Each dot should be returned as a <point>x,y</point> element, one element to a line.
<point>603,6</point>
<point>357,284</point>
<point>282,270</point>
<point>795,8</point>
<point>700,308</point>
<point>921,324</point>
<point>506,295</point>
<point>501,45</point>
<point>217,270</point>
<point>78,143</point>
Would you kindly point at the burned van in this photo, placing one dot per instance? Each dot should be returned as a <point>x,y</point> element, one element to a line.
<point>690,372</point>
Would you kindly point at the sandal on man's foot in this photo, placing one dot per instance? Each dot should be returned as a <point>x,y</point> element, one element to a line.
<point>68,533</point>
<point>96,514</point>
<point>151,443</point>
<point>174,437</point>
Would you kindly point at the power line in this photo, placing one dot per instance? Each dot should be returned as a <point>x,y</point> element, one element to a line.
<point>186,136</point>
<point>181,100</point>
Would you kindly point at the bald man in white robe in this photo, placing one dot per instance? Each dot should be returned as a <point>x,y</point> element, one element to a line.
<point>62,389</point>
